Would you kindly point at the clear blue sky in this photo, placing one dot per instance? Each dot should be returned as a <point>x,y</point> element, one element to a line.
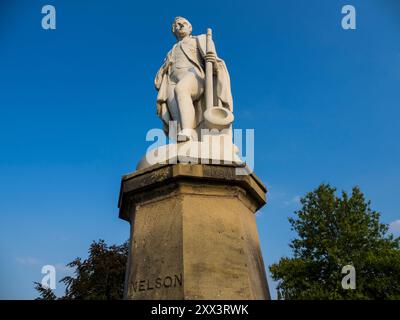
<point>76,103</point>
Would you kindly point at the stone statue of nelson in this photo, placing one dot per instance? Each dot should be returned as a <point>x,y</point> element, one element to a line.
<point>181,80</point>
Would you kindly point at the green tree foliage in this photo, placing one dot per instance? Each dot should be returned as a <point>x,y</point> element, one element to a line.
<point>333,232</point>
<point>45,293</point>
<point>99,277</point>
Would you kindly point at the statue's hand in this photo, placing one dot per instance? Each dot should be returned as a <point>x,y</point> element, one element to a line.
<point>211,57</point>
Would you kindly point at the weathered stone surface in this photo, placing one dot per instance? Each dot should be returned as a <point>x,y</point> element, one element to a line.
<point>193,233</point>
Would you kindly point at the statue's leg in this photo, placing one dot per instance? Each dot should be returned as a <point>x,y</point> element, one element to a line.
<point>173,109</point>
<point>187,89</point>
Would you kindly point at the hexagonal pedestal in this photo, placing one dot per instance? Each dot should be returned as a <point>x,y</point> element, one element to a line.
<point>193,233</point>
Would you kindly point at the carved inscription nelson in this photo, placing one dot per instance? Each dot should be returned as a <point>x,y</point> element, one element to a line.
<point>171,281</point>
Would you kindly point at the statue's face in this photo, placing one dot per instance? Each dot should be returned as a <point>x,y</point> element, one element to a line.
<point>182,29</point>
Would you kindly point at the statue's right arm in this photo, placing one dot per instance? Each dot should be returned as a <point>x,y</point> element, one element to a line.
<point>159,76</point>
<point>163,69</point>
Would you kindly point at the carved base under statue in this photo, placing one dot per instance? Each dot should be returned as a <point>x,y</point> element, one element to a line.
<point>213,149</point>
<point>193,233</point>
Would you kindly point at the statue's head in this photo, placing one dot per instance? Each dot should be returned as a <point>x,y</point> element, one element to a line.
<point>181,28</point>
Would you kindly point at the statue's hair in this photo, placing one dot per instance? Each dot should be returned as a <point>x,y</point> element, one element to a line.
<point>184,19</point>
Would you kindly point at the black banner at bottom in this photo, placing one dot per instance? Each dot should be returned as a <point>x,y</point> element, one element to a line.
<point>200,309</point>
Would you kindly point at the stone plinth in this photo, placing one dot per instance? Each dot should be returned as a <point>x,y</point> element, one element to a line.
<point>193,233</point>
